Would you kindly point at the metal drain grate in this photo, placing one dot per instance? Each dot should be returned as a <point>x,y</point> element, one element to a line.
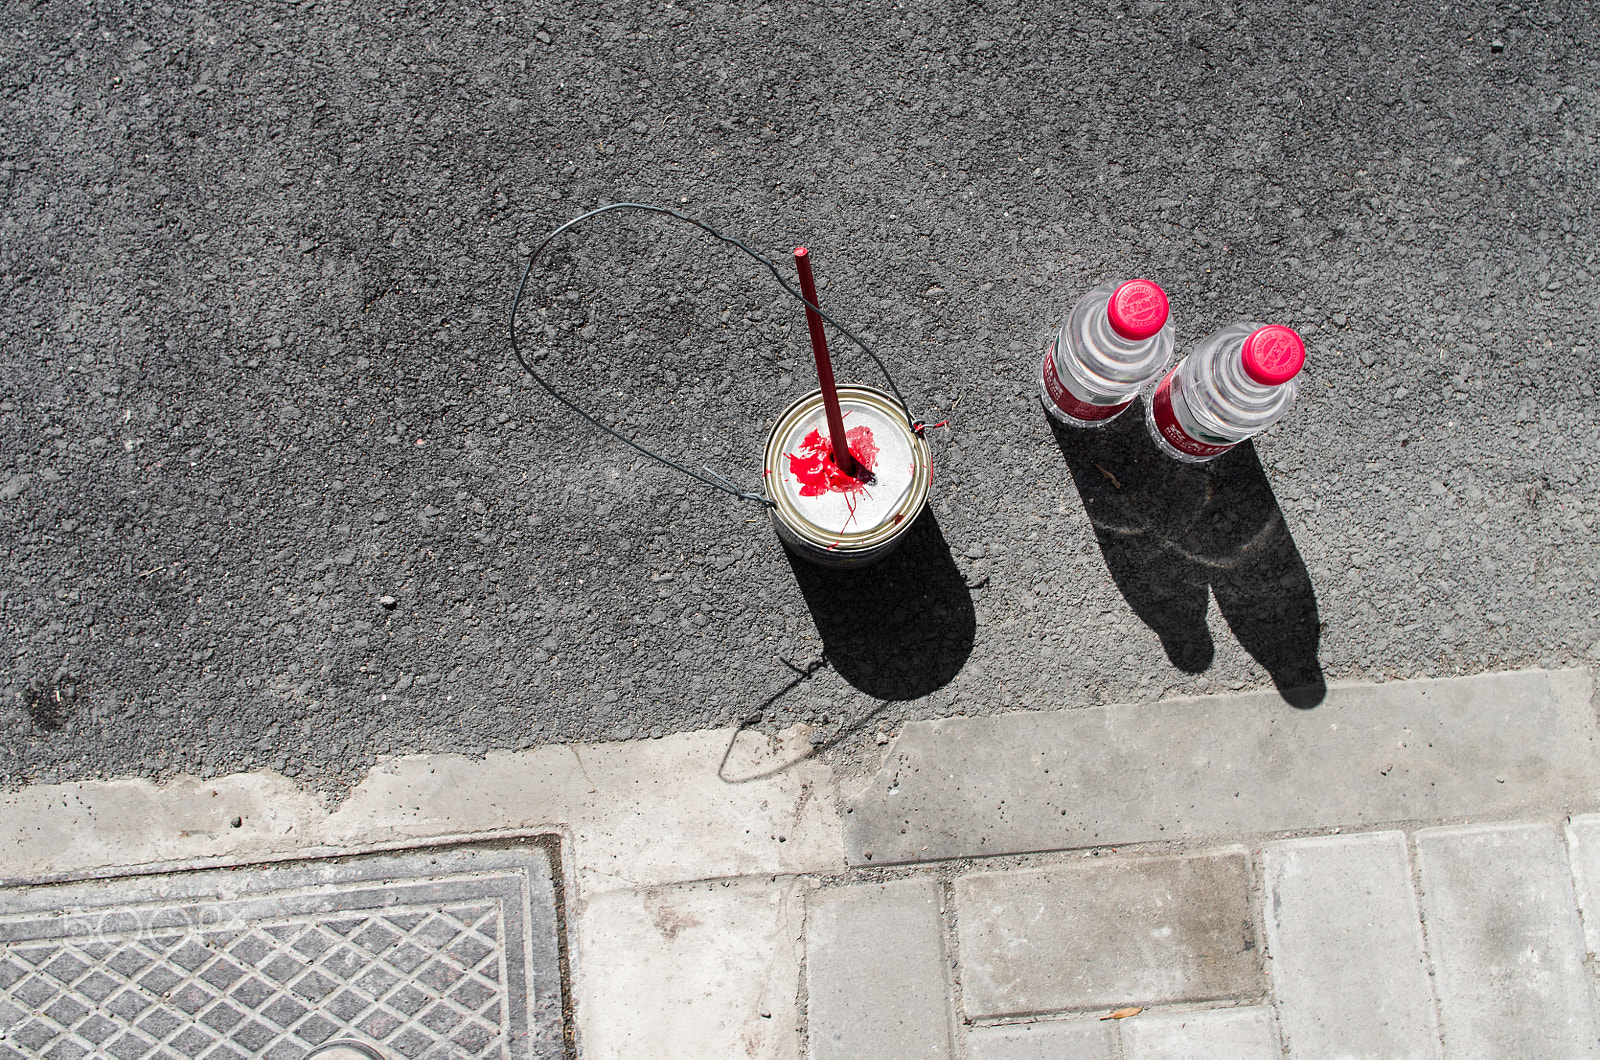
<point>452,953</point>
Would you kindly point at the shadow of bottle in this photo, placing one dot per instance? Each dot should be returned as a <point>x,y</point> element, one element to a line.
<point>901,628</point>
<point>1171,531</point>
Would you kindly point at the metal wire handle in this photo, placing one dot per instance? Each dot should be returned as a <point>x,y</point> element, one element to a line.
<point>710,478</point>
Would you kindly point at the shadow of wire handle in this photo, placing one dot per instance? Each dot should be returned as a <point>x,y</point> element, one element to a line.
<point>344,1050</point>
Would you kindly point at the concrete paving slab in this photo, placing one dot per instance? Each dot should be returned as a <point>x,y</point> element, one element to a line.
<point>759,806</point>
<point>1105,933</point>
<point>1345,938</point>
<point>691,971</point>
<point>1214,1034</point>
<point>1229,765</point>
<point>1506,943</point>
<point>449,952</point>
<point>1050,1040</point>
<point>875,973</point>
<point>1583,854</point>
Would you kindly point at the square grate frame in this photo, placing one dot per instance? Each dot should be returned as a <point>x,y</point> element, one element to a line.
<point>429,952</point>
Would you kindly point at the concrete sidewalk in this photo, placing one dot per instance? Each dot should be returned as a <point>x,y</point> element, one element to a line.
<point>1411,869</point>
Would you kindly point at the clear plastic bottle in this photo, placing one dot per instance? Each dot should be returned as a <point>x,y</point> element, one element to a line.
<point>1234,384</point>
<point>1115,340</point>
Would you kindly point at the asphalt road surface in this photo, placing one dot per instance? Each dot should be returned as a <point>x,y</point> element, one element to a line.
<point>273,494</point>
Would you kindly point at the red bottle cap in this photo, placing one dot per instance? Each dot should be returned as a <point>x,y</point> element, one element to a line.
<point>1273,355</point>
<point>1137,310</point>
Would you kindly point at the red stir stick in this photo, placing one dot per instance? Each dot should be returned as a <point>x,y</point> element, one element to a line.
<point>819,349</point>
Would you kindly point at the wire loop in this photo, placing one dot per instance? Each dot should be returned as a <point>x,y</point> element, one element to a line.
<point>715,480</point>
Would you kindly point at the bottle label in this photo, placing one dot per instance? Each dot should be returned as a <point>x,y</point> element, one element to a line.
<point>1067,401</point>
<point>1167,424</point>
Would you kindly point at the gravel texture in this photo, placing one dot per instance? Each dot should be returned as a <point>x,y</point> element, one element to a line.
<point>274,495</point>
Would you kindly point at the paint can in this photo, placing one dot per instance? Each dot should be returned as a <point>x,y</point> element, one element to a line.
<point>839,520</point>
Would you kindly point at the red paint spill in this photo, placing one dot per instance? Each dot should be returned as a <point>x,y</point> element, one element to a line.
<point>814,469</point>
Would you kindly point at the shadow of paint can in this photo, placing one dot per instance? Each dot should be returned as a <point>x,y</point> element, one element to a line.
<point>832,519</point>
